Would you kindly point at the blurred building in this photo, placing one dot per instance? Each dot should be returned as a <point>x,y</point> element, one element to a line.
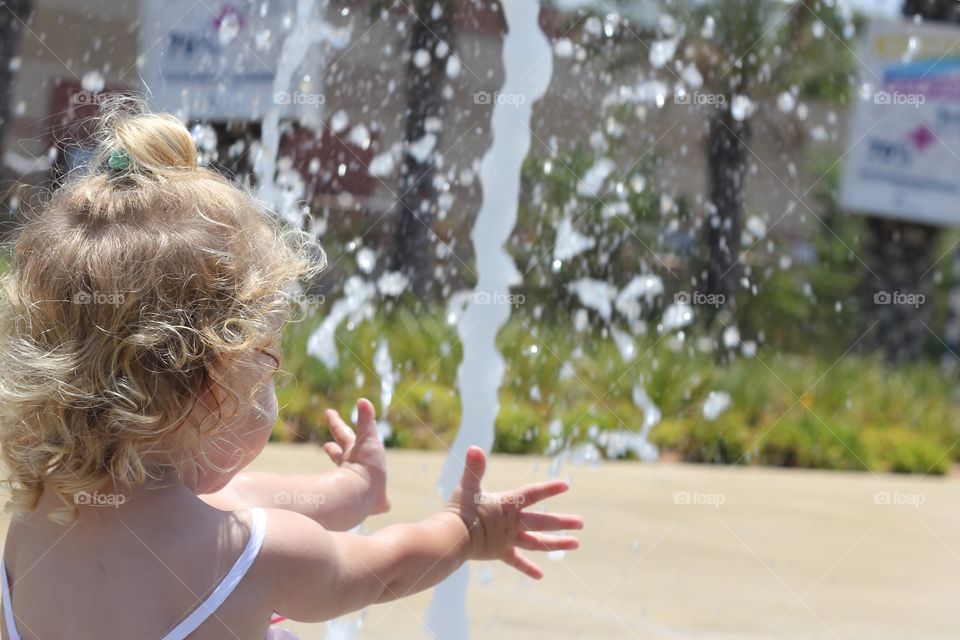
<point>74,50</point>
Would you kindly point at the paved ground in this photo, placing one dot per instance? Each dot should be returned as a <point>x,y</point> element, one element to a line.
<point>685,551</point>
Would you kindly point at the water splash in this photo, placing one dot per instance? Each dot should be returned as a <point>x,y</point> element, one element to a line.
<point>383,365</point>
<point>641,446</point>
<point>345,627</point>
<point>528,68</point>
<point>355,304</point>
<point>716,403</point>
<point>280,185</point>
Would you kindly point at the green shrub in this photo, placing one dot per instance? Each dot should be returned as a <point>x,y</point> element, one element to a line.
<point>520,429</point>
<point>802,439</point>
<point>721,441</point>
<point>902,450</point>
<point>786,409</point>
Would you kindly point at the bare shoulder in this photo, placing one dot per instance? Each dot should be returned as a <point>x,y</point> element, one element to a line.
<point>293,535</point>
<point>298,558</point>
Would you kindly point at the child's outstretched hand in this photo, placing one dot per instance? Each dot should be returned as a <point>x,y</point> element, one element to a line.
<point>498,523</point>
<point>361,452</point>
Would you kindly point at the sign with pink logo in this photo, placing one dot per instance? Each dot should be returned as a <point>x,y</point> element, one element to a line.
<point>903,156</point>
<point>212,60</point>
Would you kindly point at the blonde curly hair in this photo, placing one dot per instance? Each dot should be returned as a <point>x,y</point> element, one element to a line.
<point>136,276</point>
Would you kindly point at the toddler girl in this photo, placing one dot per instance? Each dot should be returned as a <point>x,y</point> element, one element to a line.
<point>138,340</point>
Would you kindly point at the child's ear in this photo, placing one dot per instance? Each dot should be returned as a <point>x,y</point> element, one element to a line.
<point>216,388</point>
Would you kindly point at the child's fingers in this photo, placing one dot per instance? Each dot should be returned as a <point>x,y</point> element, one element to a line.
<point>473,469</point>
<point>536,521</point>
<point>343,434</point>
<point>545,542</point>
<point>366,418</point>
<point>522,564</point>
<point>534,493</point>
<point>334,451</point>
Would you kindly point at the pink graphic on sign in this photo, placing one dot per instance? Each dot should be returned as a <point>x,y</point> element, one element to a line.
<point>922,137</point>
<point>226,15</point>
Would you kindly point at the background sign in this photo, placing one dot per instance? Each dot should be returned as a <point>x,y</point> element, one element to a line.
<point>904,156</point>
<point>213,60</point>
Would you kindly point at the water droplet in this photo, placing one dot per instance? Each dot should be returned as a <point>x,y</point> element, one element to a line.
<point>662,51</point>
<point>366,260</point>
<point>453,67</point>
<point>92,81</point>
<point>716,403</point>
<point>563,48</point>
<point>593,26</point>
<point>786,102</point>
<point>709,28</point>
<point>731,337</point>
<point>741,107</point>
<point>421,58</point>
<point>360,136</point>
<point>339,121</point>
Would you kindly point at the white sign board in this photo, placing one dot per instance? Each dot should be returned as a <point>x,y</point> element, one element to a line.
<point>904,156</point>
<point>213,59</point>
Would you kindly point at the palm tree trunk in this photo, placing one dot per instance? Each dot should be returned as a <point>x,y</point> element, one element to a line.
<point>727,162</point>
<point>897,295</point>
<point>413,214</point>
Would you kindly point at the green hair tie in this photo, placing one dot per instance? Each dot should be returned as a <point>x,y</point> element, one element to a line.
<point>118,160</point>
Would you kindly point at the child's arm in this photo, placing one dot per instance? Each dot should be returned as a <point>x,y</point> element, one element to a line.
<point>316,575</point>
<point>339,499</point>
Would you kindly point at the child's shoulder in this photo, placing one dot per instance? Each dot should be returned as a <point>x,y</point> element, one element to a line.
<point>294,541</point>
<point>298,564</point>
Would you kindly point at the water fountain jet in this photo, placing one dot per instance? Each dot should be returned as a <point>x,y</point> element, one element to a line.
<point>528,68</point>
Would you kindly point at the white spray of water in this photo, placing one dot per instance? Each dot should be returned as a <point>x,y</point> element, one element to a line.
<point>383,365</point>
<point>716,403</point>
<point>309,28</point>
<point>345,628</point>
<point>528,67</point>
<point>355,304</point>
<point>641,445</point>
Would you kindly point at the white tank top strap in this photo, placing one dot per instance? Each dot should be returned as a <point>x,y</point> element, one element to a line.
<point>207,608</point>
<point>12,632</point>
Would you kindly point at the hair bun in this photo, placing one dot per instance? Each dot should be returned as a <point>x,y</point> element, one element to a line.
<point>155,142</point>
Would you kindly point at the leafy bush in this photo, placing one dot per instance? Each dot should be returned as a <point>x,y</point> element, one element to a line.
<point>806,441</point>
<point>520,429</point>
<point>786,410</point>
<point>901,450</point>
